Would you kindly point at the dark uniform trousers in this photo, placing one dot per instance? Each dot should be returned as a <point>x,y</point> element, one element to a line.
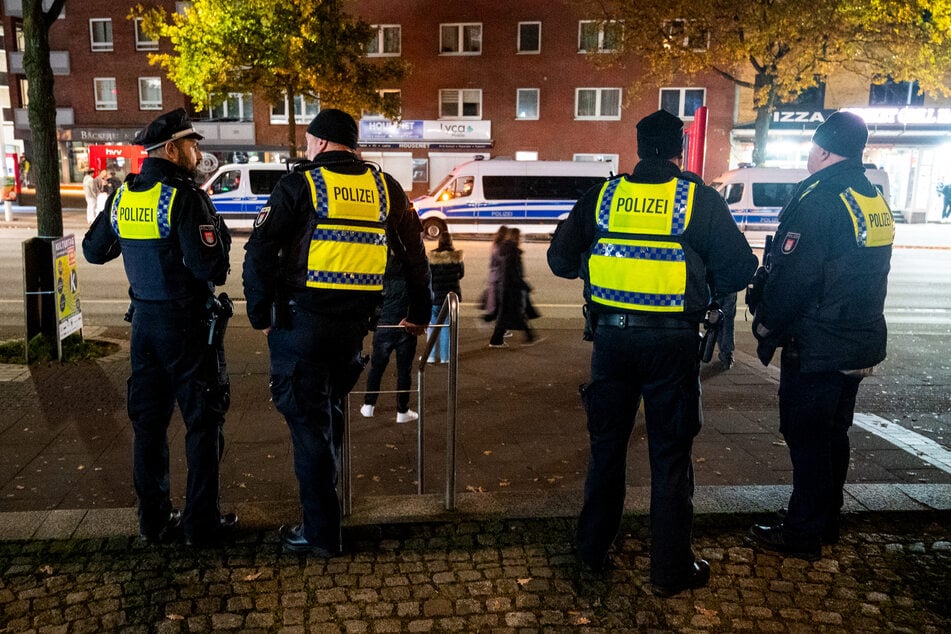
<point>660,365</point>
<point>815,413</point>
<point>172,362</point>
<point>315,362</point>
<point>387,339</point>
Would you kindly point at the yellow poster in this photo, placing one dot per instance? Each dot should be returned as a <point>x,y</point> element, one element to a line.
<point>68,313</point>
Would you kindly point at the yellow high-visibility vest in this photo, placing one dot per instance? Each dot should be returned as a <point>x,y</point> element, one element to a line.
<point>348,248</point>
<point>638,262</point>
<point>871,218</point>
<point>143,215</point>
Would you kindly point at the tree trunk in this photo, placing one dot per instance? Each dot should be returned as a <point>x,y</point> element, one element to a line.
<point>291,125</point>
<point>760,135</point>
<point>42,116</point>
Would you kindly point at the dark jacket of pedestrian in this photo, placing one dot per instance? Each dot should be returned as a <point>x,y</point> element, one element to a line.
<point>447,268</point>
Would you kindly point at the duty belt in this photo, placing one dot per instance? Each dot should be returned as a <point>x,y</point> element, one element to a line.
<point>629,320</point>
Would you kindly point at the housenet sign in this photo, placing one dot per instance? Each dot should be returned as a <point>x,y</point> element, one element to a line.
<point>379,133</point>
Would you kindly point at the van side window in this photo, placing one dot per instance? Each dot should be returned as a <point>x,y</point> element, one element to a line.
<point>461,187</point>
<point>733,193</point>
<point>772,194</point>
<point>537,187</point>
<point>263,182</point>
<point>227,182</point>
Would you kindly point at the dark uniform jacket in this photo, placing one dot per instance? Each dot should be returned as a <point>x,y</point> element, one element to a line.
<point>185,266</point>
<point>825,294</point>
<point>275,265</point>
<point>447,268</point>
<point>728,262</point>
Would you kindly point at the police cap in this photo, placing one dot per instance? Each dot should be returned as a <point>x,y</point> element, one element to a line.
<point>171,126</point>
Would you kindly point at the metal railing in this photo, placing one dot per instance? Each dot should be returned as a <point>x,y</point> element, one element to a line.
<point>447,318</point>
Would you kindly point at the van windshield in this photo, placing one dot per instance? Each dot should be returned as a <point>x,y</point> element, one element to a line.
<point>442,183</point>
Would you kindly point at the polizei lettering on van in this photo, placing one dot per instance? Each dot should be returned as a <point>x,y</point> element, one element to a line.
<point>643,205</point>
<point>354,194</point>
<point>136,214</point>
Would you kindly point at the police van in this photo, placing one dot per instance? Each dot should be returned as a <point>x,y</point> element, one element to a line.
<point>240,190</point>
<point>757,194</point>
<point>534,196</point>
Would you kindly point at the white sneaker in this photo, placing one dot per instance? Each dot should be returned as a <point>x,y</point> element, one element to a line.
<point>406,417</point>
<point>367,410</point>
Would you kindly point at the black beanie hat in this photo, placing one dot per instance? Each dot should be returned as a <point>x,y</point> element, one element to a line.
<point>660,135</point>
<point>335,126</point>
<point>843,133</point>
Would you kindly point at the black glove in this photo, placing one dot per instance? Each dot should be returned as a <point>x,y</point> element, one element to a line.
<point>766,342</point>
<point>754,292</point>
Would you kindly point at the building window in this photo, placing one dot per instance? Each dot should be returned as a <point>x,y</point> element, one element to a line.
<point>529,37</point>
<point>142,41</point>
<point>150,93</point>
<point>235,107</point>
<point>598,36</point>
<point>100,34</point>
<point>391,99</point>
<point>460,39</point>
<point>387,42</point>
<point>105,93</point>
<point>896,93</point>
<point>598,103</point>
<point>682,102</point>
<point>526,106</point>
<point>460,104</point>
<point>305,109</point>
<point>688,34</point>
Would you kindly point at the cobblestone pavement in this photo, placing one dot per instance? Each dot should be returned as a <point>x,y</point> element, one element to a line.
<point>889,573</point>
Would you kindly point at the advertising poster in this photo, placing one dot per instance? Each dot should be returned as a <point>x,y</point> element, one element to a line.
<point>69,316</point>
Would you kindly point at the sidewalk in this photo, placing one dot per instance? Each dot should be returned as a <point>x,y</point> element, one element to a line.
<point>502,561</point>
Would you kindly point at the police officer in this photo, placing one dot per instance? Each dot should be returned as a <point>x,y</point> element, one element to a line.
<point>653,248</point>
<point>175,251</point>
<point>823,303</point>
<point>313,278</point>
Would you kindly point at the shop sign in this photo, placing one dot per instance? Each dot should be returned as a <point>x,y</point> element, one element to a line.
<point>880,116</point>
<point>421,133</point>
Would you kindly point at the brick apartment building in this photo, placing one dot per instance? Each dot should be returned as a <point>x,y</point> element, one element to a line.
<point>519,83</point>
<point>489,83</point>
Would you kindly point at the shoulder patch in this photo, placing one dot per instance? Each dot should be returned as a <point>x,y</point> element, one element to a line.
<point>790,242</point>
<point>209,237</point>
<point>262,216</point>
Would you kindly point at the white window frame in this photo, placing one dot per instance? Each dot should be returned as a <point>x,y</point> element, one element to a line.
<point>602,27</point>
<point>100,89</point>
<point>678,30</point>
<point>519,50</point>
<point>95,45</point>
<point>145,104</point>
<point>599,92</point>
<point>142,41</point>
<point>681,99</point>
<point>460,93</point>
<point>458,46</point>
<point>369,114</point>
<point>306,109</point>
<point>245,106</point>
<point>519,92</point>
<point>380,40</point>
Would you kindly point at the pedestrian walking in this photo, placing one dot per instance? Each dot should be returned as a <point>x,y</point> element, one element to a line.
<point>447,268</point>
<point>513,307</point>
<point>390,337</point>
<point>313,276</point>
<point>91,193</point>
<point>175,251</point>
<point>822,301</point>
<point>653,248</point>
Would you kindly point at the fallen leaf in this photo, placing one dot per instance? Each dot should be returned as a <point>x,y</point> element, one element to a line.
<point>253,577</point>
<point>47,569</point>
<point>524,581</point>
<point>504,483</point>
<point>705,611</point>
<point>487,452</point>
<point>175,617</point>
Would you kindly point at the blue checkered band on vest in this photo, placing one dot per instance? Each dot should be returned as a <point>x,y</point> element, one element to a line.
<point>351,279</point>
<point>640,299</point>
<point>861,236</point>
<point>604,211</point>
<point>678,221</point>
<point>323,210</point>
<point>349,235</point>
<point>161,213</point>
<point>638,252</point>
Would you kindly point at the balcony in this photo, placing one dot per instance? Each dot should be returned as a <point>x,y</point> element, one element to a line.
<point>21,118</point>
<point>226,132</point>
<point>59,62</point>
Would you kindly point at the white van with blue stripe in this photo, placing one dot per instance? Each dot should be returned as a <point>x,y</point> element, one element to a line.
<point>481,196</point>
